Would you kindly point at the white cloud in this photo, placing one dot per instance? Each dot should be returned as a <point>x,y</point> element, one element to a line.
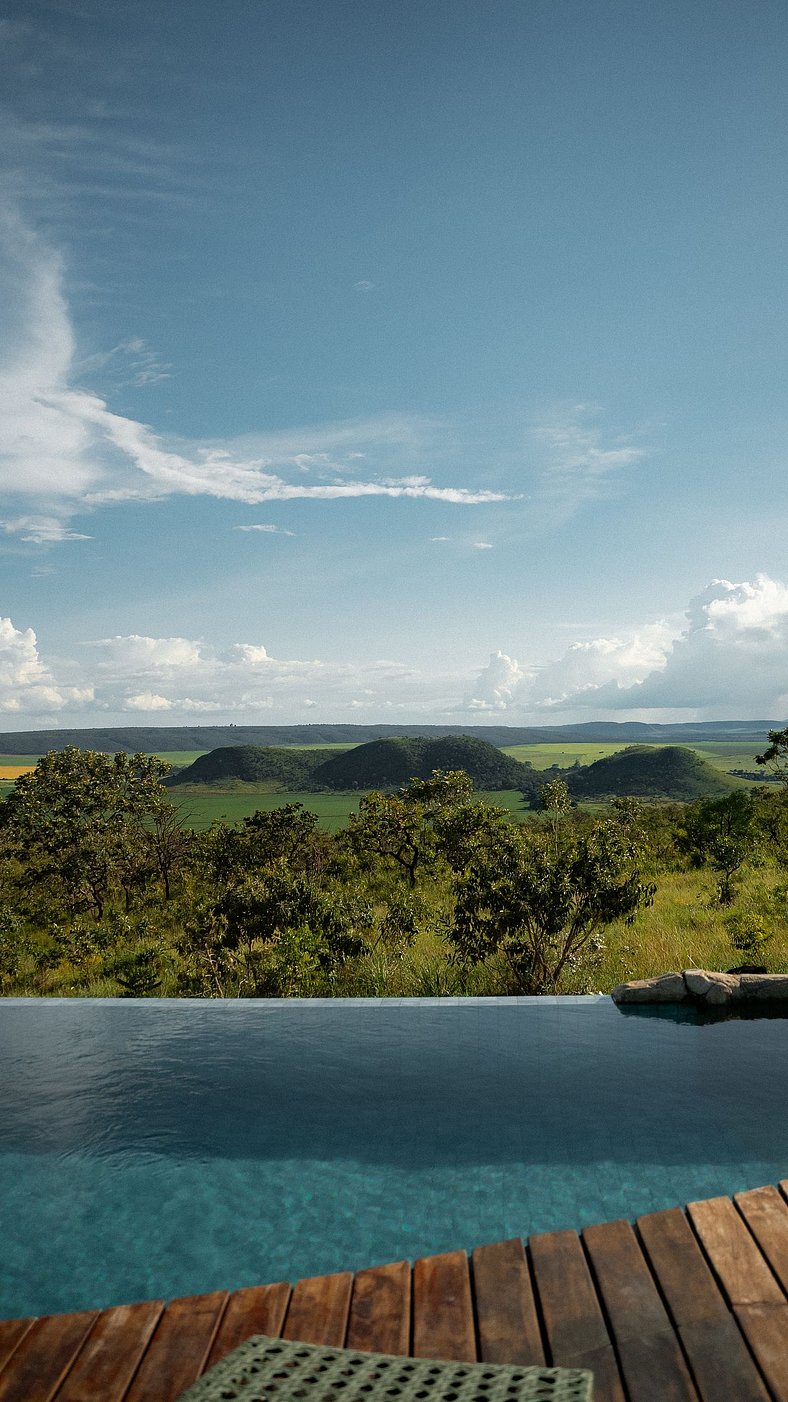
<point>727,658</point>
<point>497,685</point>
<point>147,701</point>
<point>364,285</point>
<point>41,530</point>
<point>482,545</point>
<point>267,530</point>
<point>62,447</point>
<point>27,686</point>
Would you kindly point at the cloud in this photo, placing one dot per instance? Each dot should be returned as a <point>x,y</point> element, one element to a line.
<point>27,686</point>
<point>64,449</point>
<point>497,685</point>
<point>482,545</point>
<point>268,530</point>
<point>727,657</point>
<point>581,461</point>
<point>41,530</point>
<point>364,285</point>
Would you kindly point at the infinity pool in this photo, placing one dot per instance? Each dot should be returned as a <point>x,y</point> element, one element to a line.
<point>159,1148</point>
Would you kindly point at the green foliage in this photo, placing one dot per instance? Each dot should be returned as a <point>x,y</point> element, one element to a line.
<point>253,764</point>
<point>723,834</point>
<point>776,755</point>
<point>749,932</point>
<point>541,905</point>
<point>401,828</point>
<point>78,824</point>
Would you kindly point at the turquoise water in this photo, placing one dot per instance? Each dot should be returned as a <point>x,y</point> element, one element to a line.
<point>157,1148</point>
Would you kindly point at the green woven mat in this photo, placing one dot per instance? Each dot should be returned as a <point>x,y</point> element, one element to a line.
<point>273,1370</point>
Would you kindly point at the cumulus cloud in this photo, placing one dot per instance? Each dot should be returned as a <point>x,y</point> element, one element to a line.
<point>64,449</point>
<point>497,685</point>
<point>727,658</point>
<point>27,686</point>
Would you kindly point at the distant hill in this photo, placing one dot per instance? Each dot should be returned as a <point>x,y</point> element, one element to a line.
<point>382,764</point>
<point>644,772</point>
<point>252,764</point>
<point>150,739</point>
<point>390,763</point>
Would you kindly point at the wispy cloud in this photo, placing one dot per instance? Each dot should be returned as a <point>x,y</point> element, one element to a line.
<point>582,461</point>
<point>267,530</point>
<point>41,530</point>
<point>482,545</point>
<point>62,445</point>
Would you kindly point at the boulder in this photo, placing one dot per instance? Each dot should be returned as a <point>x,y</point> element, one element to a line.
<point>767,988</point>
<point>712,987</point>
<point>665,988</point>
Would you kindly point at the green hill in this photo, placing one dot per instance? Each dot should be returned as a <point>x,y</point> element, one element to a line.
<point>252,764</point>
<point>641,771</point>
<point>388,764</point>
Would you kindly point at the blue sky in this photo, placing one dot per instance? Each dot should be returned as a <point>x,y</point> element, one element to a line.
<point>419,359</point>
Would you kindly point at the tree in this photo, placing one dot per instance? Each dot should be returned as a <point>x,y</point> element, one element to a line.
<point>79,821</point>
<point>287,834</point>
<point>721,833</point>
<point>402,827</point>
<point>776,756</point>
<point>540,905</point>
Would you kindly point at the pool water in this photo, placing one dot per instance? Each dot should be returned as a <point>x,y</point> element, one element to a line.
<point>158,1148</point>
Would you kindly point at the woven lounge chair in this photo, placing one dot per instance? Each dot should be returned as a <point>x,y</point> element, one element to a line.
<point>274,1370</point>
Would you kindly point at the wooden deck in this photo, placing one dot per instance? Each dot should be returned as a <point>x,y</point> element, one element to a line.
<point>686,1305</point>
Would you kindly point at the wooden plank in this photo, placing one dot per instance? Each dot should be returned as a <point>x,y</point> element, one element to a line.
<point>718,1356</point>
<point>680,1267</point>
<point>735,1258</point>
<point>12,1332</point>
<point>319,1308</point>
<point>650,1355</point>
<point>111,1354</point>
<point>766,1215</point>
<point>380,1310</point>
<point>765,1328</point>
<point>505,1306</point>
<point>574,1325</point>
<point>258,1309</point>
<point>570,1308</point>
<point>443,1308</point>
<point>721,1362</point>
<point>178,1351</point>
<point>43,1357</point>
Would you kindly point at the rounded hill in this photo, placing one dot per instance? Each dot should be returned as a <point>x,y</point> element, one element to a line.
<point>251,764</point>
<point>643,771</point>
<point>390,763</point>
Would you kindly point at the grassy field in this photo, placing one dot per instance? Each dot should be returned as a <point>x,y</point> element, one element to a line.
<point>199,807</point>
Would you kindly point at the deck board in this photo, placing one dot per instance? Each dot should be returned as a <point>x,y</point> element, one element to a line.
<point>380,1310</point>
<point>651,1357</point>
<point>443,1324</point>
<point>716,1351</point>
<point>179,1348</point>
<point>686,1306</point>
<point>505,1305</point>
<point>319,1309</point>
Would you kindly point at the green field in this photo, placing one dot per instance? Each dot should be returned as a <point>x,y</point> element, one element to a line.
<point>201,807</point>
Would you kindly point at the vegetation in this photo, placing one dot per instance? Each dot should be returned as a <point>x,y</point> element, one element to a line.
<point>669,771</point>
<point>108,888</point>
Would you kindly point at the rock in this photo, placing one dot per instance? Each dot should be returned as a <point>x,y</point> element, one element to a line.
<point>665,988</point>
<point>712,987</point>
<point>705,986</point>
<point>766,988</point>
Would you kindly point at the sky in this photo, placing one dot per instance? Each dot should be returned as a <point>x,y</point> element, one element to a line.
<point>365,360</point>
